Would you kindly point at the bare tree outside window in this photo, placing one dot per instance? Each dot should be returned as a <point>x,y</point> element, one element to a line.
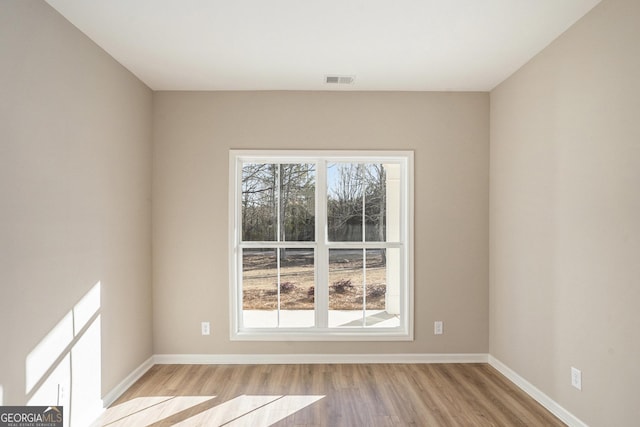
<point>356,196</point>
<point>278,202</point>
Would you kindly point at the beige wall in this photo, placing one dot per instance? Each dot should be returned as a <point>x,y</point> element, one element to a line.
<point>565,217</point>
<point>192,135</point>
<point>75,183</point>
<point>564,235</point>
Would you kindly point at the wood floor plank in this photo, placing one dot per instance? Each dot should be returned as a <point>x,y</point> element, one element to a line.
<point>326,395</point>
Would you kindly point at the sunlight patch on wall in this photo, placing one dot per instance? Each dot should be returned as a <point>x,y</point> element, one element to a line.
<point>86,308</point>
<point>65,367</point>
<point>55,389</point>
<point>44,355</point>
<point>86,368</point>
<point>252,411</point>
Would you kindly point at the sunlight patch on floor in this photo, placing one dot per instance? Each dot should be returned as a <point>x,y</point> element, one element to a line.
<point>255,411</point>
<point>144,411</point>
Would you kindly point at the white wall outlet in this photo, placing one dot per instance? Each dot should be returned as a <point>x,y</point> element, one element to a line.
<point>60,395</point>
<point>438,328</point>
<point>206,328</point>
<point>576,378</point>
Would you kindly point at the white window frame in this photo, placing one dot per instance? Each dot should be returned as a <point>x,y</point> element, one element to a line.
<point>321,332</point>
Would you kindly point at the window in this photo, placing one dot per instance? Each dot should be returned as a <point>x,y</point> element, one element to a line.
<point>321,245</point>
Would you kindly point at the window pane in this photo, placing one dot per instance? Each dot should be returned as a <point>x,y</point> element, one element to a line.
<point>345,287</point>
<point>376,272</point>
<point>259,201</point>
<point>383,288</point>
<point>393,198</point>
<point>297,290</point>
<point>260,288</point>
<point>357,195</point>
<point>375,201</point>
<point>266,307</point>
<point>278,201</point>
<point>344,201</point>
<point>374,304</point>
<point>297,202</point>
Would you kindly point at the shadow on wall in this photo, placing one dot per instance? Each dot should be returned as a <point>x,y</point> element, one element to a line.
<point>65,366</point>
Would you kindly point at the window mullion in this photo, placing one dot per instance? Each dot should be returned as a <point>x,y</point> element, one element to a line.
<point>278,251</point>
<point>278,201</point>
<point>364,250</point>
<point>237,298</point>
<point>364,287</point>
<point>322,251</point>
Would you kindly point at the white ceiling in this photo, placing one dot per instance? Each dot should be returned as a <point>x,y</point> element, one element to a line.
<point>412,45</point>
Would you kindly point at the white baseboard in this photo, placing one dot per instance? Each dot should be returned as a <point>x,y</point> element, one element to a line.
<point>550,404</point>
<point>272,359</point>
<point>117,391</point>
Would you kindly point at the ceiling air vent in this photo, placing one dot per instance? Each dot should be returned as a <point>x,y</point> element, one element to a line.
<point>339,80</point>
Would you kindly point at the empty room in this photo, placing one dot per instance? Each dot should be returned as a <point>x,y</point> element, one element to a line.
<point>304,213</point>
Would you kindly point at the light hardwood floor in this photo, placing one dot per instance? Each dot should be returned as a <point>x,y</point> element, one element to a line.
<point>326,395</point>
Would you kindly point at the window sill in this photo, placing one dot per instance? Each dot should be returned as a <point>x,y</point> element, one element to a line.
<point>320,335</point>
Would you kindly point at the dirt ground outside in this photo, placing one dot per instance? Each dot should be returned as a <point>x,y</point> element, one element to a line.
<point>297,291</point>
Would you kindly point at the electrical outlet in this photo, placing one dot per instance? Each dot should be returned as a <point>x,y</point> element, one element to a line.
<point>437,327</point>
<point>206,328</point>
<point>60,395</point>
<point>576,378</point>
